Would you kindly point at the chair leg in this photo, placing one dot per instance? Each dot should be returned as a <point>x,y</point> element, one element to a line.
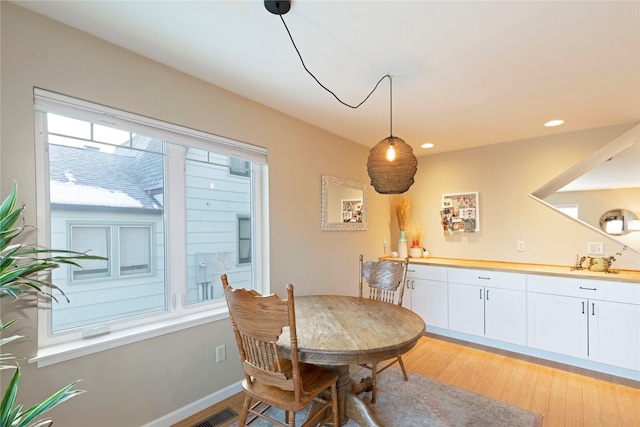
<point>404,372</point>
<point>245,411</point>
<point>374,373</point>
<point>291,419</point>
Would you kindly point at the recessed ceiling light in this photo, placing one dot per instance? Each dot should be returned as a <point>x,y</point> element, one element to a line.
<point>554,123</point>
<point>427,145</point>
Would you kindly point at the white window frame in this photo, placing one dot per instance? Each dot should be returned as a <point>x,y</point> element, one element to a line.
<point>75,343</point>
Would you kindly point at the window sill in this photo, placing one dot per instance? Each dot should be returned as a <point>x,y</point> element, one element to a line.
<point>62,352</point>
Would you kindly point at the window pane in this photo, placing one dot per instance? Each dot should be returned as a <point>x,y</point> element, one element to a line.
<point>135,250</point>
<point>67,126</point>
<point>214,201</point>
<point>110,135</point>
<point>96,240</point>
<point>116,195</point>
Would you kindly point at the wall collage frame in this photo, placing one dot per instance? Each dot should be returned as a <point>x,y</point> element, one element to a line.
<point>460,213</point>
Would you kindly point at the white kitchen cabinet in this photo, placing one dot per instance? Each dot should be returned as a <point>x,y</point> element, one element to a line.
<point>556,323</point>
<point>592,319</point>
<point>427,290</point>
<point>488,303</point>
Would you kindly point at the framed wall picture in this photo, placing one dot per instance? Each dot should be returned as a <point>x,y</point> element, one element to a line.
<point>460,213</point>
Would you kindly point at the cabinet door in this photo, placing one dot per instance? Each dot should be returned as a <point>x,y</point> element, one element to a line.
<point>614,333</point>
<point>505,315</point>
<point>557,323</point>
<point>466,308</point>
<point>429,300</point>
<point>407,297</point>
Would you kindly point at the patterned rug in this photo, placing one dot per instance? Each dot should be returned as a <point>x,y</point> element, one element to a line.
<point>422,401</point>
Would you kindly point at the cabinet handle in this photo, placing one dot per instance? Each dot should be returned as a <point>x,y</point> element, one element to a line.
<point>480,293</point>
<point>484,278</point>
<point>588,289</point>
<point>412,282</point>
<point>582,307</point>
<point>593,309</point>
<point>487,292</point>
<point>407,283</point>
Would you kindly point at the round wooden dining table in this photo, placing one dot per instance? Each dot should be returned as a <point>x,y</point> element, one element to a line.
<point>340,331</point>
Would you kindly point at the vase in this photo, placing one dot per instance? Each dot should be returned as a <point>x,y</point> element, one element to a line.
<point>415,252</point>
<point>402,245</point>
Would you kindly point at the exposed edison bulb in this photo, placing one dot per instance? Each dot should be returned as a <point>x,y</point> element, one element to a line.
<point>391,153</point>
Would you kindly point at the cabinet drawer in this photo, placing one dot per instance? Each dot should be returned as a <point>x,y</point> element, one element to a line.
<point>585,288</point>
<point>427,272</point>
<point>496,279</point>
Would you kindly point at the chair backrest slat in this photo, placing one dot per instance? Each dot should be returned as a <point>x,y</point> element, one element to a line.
<point>385,279</point>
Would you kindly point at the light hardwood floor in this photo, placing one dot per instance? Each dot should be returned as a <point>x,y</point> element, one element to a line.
<point>565,395</point>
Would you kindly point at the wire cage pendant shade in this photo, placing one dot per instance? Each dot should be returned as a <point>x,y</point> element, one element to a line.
<point>396,176</point>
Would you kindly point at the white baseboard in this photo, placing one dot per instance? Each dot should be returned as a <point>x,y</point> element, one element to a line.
<point>197,406</point>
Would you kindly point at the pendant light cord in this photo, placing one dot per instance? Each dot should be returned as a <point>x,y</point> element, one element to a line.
<point>318,81</point>
<point>390,105</point>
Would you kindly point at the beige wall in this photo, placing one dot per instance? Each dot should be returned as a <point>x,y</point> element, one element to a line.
<point>138,383</point>
<point>504,175</point>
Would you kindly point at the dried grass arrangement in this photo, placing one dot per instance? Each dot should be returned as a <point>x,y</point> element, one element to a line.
<point>414,232</point>
<point>401,205</point>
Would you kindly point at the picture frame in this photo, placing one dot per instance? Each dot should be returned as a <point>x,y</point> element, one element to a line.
<point>460,213</point>
<point>334,190</point>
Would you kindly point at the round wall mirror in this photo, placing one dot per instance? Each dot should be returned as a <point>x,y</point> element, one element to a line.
<point>618,222</point>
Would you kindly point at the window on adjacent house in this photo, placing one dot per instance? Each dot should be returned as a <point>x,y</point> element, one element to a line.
<point>158,201</point>
<point>244,239</point>
<point>134,249</point>
<point>96,239</point>
<point>239,167</point>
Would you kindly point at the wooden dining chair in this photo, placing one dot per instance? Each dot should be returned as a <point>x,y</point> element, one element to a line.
<point>385,281</point>
<point>270,380</point>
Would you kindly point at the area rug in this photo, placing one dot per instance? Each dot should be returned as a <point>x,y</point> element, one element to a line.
<point>422,401</point>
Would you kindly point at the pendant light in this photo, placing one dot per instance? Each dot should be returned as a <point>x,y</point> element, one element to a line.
<point>391,164</point>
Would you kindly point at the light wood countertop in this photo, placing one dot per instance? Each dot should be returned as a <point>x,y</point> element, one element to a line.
<point>543,269</point>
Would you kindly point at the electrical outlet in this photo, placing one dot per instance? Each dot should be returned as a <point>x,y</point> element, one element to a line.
<point>520,246</point>
<point>221,353</point>
<point>595,248</point>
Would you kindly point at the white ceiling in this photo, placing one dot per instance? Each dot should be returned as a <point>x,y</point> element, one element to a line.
<point>465,73</point>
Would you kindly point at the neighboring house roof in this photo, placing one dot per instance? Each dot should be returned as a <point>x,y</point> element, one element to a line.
<point>149,164</point>
<point>86,178</point>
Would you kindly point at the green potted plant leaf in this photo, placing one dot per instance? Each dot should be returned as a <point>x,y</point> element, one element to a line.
<point>21,268</point>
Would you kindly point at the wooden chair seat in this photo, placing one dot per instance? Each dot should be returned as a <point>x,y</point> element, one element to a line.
<point>385,280</point>
<point>271,380</point>
<point>314,381</point>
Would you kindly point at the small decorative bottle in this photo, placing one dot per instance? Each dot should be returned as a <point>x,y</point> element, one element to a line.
<point>416,250</point>
<point>402,245</point>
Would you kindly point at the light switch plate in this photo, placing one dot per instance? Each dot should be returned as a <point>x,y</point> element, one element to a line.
<point>595,248</point>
